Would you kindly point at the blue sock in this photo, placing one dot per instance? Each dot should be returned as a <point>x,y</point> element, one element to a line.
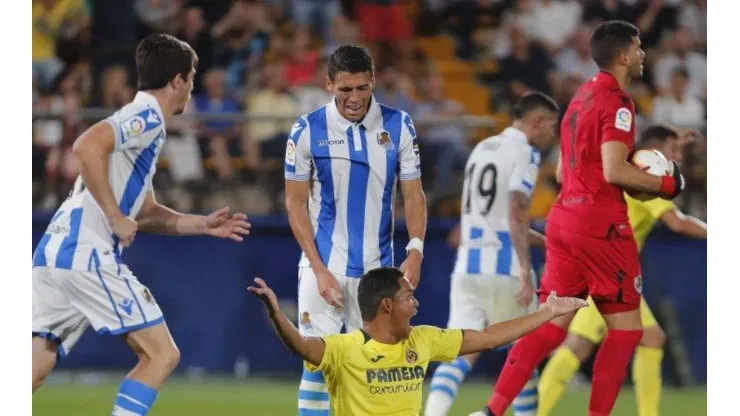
<point>313,397</point>
<point>445,382</point>
<point>525,404</point>
<point>134,399</point>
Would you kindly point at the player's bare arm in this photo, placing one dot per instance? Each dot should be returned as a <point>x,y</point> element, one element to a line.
<point>309,348</point>
<point>559,169</point>
<point>93,149</point>
<point>536,239</point>
<point>296,205</point>
<point>159,219</point>
<point>684,224</point>
<point>618,171</point>
<point>519,225</point>
<point>415,210</point>
<point>504,333</point>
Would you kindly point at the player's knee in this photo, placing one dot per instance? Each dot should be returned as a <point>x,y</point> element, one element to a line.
<point>165,357</point>
<point>579,345</point>
<point>653,337</point>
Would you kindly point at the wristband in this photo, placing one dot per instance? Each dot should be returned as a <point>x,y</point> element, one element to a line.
<point>668,186</point>
<point>417,244</point>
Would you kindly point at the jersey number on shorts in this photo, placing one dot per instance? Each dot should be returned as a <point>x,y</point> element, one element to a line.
<point>486,186</point>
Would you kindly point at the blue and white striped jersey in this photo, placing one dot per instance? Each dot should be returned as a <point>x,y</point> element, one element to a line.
<point>496,166</point>
<point>354,168</point>
<point>79,230</point>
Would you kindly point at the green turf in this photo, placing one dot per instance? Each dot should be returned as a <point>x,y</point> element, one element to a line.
<point>259,397</point>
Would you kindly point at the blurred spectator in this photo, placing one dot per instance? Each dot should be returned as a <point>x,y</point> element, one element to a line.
<point>576,59</point>
<point>597,11</point>
<point>314,95</point>
<point>678,107</point>
<point>393,88</point>
<point>50,19</point>
<point>444,140</point>
<point>693,16</point>
<point>265,139</point>
<point>682,55</point>
<point>301,64</point>
<point>158,16</point>
<point>528,67</point>
<point>467,16</point>
<point>385,22</point>
<point>115,91</point>
<point>317,14</point>
<point>343,32</point>
<point>195,32</point>
<point>555,21</point>
<point>218,133</point>
<point>653,18</point>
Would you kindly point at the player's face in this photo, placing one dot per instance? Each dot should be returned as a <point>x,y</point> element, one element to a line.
<point>184,89</point>
<point>404,307</point>
<point>635,58</point>
<point>352,93</point>
<point>671,149</point>
<point>545,123</point>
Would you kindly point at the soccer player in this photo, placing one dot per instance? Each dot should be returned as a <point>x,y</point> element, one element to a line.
<point>342,165</point>
<point>79,278</point>
<point>492,281</point>
<point>590,246</point>
<point>588,328</point>
<point>379,368</point>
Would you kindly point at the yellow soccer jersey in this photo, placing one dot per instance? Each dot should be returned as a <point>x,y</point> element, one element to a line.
<point>365,377</point>
<point>644,214</point>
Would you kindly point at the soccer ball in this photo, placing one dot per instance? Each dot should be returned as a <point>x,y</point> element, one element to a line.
<point>652,162</point>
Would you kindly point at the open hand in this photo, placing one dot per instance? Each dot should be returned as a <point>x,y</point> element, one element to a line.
<point>266,295</point>
<point>562,306</point>
<point>221,224</point>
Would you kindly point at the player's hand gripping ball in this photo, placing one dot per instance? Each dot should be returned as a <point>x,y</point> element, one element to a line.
<point>654,163</point>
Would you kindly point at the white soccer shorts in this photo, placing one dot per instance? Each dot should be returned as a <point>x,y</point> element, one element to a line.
<point>316,317</point>
<point>477,301</point>
<point>110,298</point>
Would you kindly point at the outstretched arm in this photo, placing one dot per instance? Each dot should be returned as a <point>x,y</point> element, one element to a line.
<point>504,333</point>
<point>309,348</point>
<point>683,224</point>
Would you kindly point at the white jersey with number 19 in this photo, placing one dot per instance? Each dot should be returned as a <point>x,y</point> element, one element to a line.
<point>496,166</point>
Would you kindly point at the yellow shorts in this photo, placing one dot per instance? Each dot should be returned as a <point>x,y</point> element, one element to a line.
<point>589,324</point>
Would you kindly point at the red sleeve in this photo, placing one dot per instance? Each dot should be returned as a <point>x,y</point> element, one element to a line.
<point>617,119</point>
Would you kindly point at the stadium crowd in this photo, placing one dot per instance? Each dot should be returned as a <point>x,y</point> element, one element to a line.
<point>266,59</point>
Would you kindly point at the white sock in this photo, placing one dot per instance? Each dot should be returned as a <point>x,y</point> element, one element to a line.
<point>313,396</point>
<point>525,404</point>
<point>445,382</point>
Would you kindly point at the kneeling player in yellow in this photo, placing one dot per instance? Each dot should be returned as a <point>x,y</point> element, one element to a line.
<point>588,328</point>
<point>379,369</point>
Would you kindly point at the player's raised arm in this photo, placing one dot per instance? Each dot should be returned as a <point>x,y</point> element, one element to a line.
<point>504,333</point>
<point>93,149</point>
<point>414,201</point>
<point>309,348</point>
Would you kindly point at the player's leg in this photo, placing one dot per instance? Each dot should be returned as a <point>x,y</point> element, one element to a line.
<point>646,366</point>
<point>615,285</point>
<point>585,332</point>
<point>563,275</point>
<point>466,312</point>
<point>317,318</point>
<point>116,303</point>
<point>56,324</point>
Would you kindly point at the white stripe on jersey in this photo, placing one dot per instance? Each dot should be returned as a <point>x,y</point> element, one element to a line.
<point>354,168</point>
<point>496,166</point>
<point>79,226</point>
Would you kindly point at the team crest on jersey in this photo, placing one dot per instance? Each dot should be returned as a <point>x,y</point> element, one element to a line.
<point>411,356</point>
<point>384,139</point>
<point>306,321</point>
<point>147,295</point>
<point>624,119</point>
<point>638,284</point>
<point>290,153</point>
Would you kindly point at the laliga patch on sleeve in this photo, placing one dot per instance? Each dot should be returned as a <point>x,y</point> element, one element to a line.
<point>624,119</point>
<point>132,127</point>
<point>290,153</point>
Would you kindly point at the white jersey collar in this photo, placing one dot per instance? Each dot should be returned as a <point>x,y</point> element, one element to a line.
<point>370,121</point>
<point>515,133</point>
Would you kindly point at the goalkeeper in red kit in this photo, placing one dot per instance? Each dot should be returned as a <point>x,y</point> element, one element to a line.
<point>590,248</point>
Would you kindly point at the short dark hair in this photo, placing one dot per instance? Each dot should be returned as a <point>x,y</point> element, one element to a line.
<point>350,58</point>
<point>376,285</point>
<point>160,58</point>
<point>659,133</point>
<point>533,101</point>
<point>609,39</point>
